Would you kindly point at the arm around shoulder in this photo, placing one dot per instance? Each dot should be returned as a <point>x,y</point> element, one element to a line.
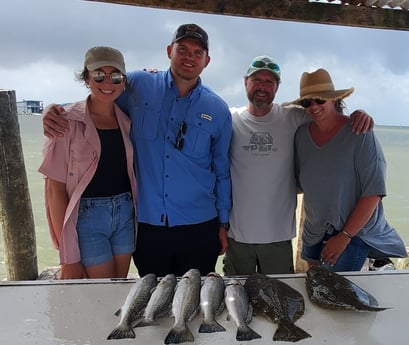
<point>54,123</point>
<point>361,122</point>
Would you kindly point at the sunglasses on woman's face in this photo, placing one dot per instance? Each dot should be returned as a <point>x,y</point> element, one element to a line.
<point>99,77</point>
<point>306,103</point>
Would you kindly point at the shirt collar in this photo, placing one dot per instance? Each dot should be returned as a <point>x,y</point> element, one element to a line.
<point>172,86</point>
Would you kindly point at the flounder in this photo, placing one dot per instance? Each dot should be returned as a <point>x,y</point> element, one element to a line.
<point>330,290</point>
<point>279,303</point>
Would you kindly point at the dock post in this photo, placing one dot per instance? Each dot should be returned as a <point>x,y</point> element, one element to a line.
<point>300,265</point>
<point>16,214</point>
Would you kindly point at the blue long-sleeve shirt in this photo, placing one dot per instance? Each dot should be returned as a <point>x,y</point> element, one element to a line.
<point>186,186</point>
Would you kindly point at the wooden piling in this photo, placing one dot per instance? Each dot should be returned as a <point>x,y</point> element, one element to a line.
<point>300,265</point>
<point>16,215</point>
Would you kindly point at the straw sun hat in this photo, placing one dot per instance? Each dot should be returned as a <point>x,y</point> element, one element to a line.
<point>319,85</point>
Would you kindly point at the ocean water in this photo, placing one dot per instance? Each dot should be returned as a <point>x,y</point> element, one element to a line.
<point>394,141</point>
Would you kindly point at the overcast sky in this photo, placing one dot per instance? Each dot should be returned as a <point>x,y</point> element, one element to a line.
<point>43,42</point>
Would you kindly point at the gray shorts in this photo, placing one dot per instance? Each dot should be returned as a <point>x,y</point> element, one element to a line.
<point>268,258</point>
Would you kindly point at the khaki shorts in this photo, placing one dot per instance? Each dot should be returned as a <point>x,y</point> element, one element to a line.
<point>269,258</point>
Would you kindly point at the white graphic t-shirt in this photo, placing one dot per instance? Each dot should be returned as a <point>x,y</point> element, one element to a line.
<point>262,171</point>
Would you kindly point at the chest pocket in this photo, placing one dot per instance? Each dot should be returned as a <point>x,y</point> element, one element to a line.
<point>81,157</point>
<point>198,138</point>
<point>145,122</point>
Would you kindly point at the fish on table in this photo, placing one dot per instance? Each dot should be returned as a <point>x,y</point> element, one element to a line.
<point>185,306</point>
<point>160,302</point>
<point>133,307</point>
<point>330,290</point>
<point>239,310</point>
<point>279,303</point>
<point>211,303</point>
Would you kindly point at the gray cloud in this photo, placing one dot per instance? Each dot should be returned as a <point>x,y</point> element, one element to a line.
<point>46,41</point>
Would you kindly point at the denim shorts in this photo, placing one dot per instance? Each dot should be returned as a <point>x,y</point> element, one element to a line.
<point>105,227</point>
<point>351,259</point>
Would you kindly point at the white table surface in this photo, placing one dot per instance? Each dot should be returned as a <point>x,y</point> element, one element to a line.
<point>74,313</point>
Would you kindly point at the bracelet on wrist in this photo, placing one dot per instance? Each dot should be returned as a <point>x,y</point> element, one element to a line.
<point>226,226</point>
<point>347,234</point>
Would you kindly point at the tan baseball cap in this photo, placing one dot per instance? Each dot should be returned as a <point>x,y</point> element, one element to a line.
<point>98,57</point>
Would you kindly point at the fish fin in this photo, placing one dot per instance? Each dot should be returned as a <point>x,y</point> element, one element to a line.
<point>211,327</point>
<point>121,333</point>
<point>118,312</point>
<point>249,316</point>
<point>179,335</point>
<point>146,323</point>
<point>166,311</point>
<point>372,308</point>
<point>245,333</point>
<point>287,331</point>
<point>220,309</point>
<point>194,313</point>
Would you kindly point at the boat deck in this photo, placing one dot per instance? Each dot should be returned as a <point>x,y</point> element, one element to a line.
<point>82,312</point>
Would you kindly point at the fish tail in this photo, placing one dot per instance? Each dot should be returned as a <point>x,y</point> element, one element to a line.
<point>122,333</point>
<point>287,331</point>
<point>179,335</point>
<point>246,333</point>
<point>211,327</point>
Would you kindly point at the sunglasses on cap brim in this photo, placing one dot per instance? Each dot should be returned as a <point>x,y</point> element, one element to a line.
<point>262,64</point>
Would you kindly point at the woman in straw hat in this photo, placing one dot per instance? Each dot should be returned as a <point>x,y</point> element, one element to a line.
<point>90,184</point>
<point>342,176</point>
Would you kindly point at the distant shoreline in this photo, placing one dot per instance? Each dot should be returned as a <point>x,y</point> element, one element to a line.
<point>376,126</point>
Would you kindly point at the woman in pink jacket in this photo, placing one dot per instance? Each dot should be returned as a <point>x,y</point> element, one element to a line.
<point>90,183</point>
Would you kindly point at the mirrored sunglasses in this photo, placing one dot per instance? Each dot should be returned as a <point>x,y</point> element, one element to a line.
<point>180,140</point>
<point>306,103</point>
<point>270,65</point>
<point>99,77</point>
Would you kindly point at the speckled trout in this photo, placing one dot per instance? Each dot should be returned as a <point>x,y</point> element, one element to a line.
<point>133,307</point>
<point>185,306</point>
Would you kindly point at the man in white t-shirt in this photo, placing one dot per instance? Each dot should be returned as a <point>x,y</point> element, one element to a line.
<point>262,219</point>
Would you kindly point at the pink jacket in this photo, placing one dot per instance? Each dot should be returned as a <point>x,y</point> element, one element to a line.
<point>72,160</point>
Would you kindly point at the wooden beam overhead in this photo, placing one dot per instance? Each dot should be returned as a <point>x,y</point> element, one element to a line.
<point>344,14</point>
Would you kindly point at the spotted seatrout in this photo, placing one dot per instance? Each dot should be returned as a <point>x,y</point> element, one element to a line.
<point>133,307</point>
<point>211,303</point>
<point>160,302</point>
<point>240,310</point>
<point>185,306</point>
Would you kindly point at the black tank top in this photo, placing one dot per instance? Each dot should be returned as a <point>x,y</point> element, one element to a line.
<point>111,177</point>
